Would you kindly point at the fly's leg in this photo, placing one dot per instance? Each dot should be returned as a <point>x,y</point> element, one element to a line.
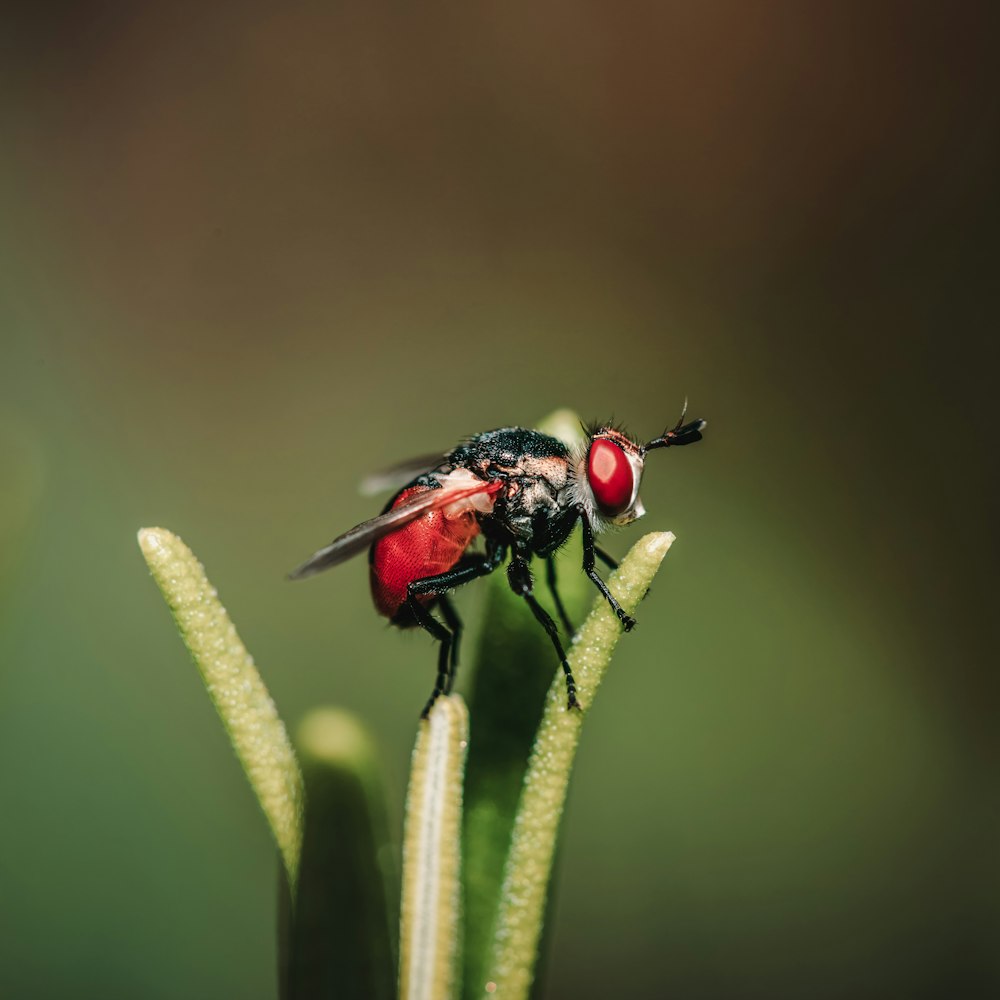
<point>453,622</point>
<point>550,576</point>
<point>428,622</point>
<point>519,577</point>
<point>469,568</point>
<point>628,622</point>
<point>608,561</point>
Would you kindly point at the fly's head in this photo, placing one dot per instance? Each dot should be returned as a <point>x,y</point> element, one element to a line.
<point>607,470</point>
<point>605,476</point>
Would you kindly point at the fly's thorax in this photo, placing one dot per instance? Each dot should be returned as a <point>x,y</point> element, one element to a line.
<point>507,448</point>
<point>551,473</point>
<point>528,501</point>
<point>532,468</point>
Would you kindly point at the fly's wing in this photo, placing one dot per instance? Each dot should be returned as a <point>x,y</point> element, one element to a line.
<point>397,476</point>
<point>361,536</point>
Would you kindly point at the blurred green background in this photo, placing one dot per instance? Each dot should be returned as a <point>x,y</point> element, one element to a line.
<point>251,252</point>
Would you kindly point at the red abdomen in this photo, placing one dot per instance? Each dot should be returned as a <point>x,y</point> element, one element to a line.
<point>430,545</point>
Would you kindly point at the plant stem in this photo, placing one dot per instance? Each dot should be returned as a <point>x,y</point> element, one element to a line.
<point>430,928</point>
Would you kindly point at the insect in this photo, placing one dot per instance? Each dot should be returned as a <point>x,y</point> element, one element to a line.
<point>524,492</point>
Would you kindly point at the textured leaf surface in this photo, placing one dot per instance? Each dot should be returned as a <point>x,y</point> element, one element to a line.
<point>430,928</point>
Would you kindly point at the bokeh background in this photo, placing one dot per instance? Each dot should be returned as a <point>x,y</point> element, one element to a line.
<point>251,252</point>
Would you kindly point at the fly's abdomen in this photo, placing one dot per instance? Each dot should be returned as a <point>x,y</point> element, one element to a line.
<point>430,545</point>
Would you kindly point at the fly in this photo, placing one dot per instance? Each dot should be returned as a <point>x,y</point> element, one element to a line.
<point>524,492</point>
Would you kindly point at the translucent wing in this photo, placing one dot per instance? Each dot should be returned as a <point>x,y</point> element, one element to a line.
<point>397,476</point>
<point>454,490</point>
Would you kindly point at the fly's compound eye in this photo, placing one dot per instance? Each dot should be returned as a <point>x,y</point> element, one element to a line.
<point>610,475</point>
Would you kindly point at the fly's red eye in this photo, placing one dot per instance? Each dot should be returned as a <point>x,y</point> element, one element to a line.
<point>611,478</point>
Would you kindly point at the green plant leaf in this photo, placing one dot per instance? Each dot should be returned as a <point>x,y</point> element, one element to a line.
<point>247,712</point>
<point>510,967</point>
<point>336,937</point>
<point>430,928</point>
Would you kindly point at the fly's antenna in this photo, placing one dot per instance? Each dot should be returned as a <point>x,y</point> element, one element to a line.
<point>679,434</point>
<point>684,409</point>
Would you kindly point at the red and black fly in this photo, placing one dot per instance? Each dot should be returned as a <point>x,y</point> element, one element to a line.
<point>524,492</point>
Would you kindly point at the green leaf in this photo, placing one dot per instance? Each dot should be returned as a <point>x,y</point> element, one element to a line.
<point>430,928</point>
<point>510,968</point>
<point>247,712</point>
<point>337,935</point>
